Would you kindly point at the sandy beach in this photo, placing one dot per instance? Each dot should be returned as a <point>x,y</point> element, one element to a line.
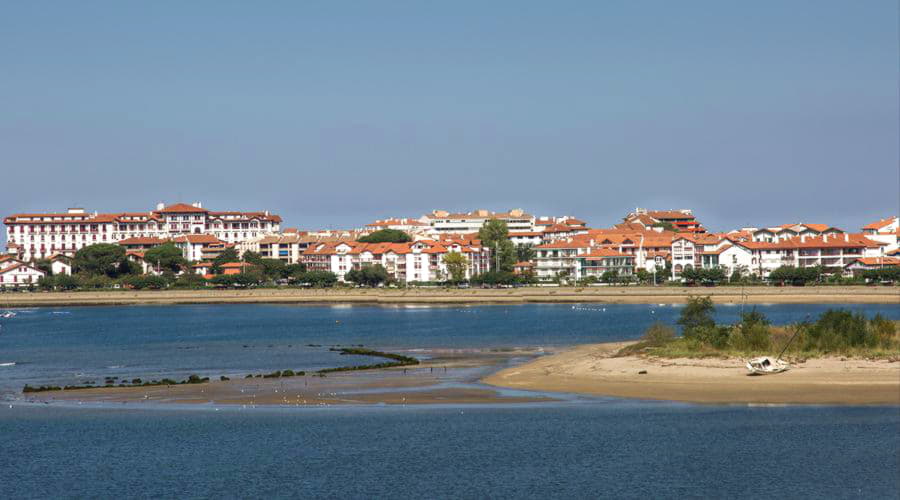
<point>610,295</point>
<point>593,369</point>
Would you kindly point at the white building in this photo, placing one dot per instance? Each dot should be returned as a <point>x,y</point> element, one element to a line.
<point>15,274</point>
<point>833,251</point>
<point>419,261</point>
<point>39,235</point>
<point>60,264</point>
<point>443,221</point>
<point>577,258</point>
<point>885,231</point>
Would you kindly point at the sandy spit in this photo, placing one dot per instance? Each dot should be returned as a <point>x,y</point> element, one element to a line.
<point>593,369</point>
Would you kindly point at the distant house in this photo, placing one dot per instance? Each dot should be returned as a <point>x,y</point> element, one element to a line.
<point>864,264</point>
<point>60,264</point>
<point>236,267</point>
<point>16,274</point>
<point>523,267</point>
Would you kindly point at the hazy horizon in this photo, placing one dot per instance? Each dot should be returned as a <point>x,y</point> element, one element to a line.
<point>335,115</point>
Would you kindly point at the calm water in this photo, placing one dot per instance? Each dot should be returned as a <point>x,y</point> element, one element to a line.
<point>606,449</point>
<point>586,447</point>
<point>73,345</point>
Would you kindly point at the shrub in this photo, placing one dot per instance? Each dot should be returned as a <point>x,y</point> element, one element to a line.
<point>884,330</point>
<point>658,333</point>
<point>696,317</point>
<point>716,336</point>
<point>752,333</point>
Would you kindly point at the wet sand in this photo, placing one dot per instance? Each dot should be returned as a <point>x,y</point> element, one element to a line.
<point>592,369</point>
<point>449,377</point>
<point>437,296</point>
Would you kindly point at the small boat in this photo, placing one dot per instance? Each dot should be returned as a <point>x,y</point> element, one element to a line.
<point>8,314</point>
<point>766,366</point>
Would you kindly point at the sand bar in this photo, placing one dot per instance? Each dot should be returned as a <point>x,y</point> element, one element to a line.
<point>449,377</point>
<point>611,295</point>
<point>593,369</point>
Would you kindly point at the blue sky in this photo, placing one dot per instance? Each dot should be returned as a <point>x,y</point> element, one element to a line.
<point>334,113</point>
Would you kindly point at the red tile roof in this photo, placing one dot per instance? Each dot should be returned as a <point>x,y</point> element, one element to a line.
<point>880,224</point>
<point>879,261</point>
<point>182,208</point>
<point>197,239</point>
<point>604,252</point>
<point>142,240</point>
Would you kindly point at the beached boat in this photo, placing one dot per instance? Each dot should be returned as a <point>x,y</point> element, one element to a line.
<point>765,366</point>
<point>8,314</point>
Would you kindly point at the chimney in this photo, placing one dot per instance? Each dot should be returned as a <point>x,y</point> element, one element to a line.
<point>160,206</point>
<point>846,237</point>
<point>824,238</point>
<point>197,204</point>
<point>802,238</point>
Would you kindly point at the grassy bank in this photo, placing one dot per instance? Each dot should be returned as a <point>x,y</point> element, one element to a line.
<point>835,333</point>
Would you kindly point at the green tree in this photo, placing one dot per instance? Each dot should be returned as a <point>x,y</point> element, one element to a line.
<point>319,278</point>
<point>696,316</point>
<point>386,236</point>
<point>252,257</point>
<point>373,275</point>
<point>456,266</point>
<point>166,258</point>
<point>713,275</point>
<point>525,252</point>
<point>43,265</point>
<point>101,259</point>
<point>494,234</point>
<point>273,269</point>
<point>294,270</point>
<point>353,276</point>
<point>690,275</point>
<point>189,280</point>
<point>227,255</point>
<point>643,276</point>
<point>494,278</point>
<point>609,276</point>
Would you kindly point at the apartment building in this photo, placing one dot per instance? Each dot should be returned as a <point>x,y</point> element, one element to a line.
<point>830,250</point>
<point>405,262</point>
<point>885,231</point>
<point>40,235</point>
<point>580,257</point>
<point>443,221</point>
<point>682,220</point>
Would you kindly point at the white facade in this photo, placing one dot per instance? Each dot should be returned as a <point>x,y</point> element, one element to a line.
<point>15,274</point>
<point>418,261</point>
<point>35,236</point>
<point>60,265</point>
<point>446,222</point>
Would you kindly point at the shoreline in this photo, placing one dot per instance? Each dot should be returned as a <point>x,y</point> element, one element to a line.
<point>476,376</point>
<point>561,295</point>
<point>593,369</point>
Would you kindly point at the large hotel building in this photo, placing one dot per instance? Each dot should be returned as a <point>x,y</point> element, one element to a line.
<point>40,235</point>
